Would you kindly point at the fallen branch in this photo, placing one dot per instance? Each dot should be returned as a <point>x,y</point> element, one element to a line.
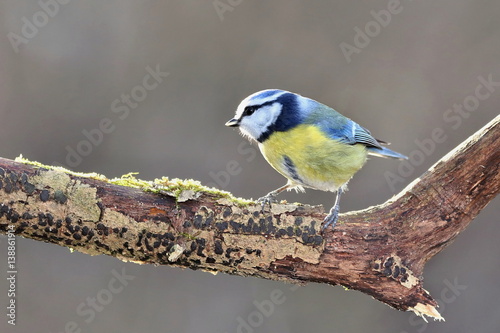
<point>380,251</point>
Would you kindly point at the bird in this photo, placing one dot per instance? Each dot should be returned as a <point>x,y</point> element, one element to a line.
<point>307,142</point>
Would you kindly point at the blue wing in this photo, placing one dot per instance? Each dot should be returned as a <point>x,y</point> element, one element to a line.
<point>347,131</point>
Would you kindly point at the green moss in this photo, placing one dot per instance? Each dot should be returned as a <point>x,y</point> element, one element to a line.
<point>92,175</point>
<point>185,189</point>
<point>188,236</point>
<point>181,189</point>
<point>129,180</point>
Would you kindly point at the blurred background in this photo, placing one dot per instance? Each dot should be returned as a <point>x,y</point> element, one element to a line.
<point>146,86</point>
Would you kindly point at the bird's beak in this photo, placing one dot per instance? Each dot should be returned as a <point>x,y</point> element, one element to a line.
<point>233,123</point>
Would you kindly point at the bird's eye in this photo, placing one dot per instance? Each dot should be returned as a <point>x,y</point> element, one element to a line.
<point>249,110</point>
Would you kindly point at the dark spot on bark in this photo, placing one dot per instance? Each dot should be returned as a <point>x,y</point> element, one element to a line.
<point>210,260</point>
<point>226,212</point>
<point>148,235</point>
<point>67,220</point>
<point>305,238</point>
<point>101,226</point>
<point>218,247</point>
<point>402,270</point>
<point>13,177</point>
<point>59,197</point>
<point>239,261</point>
<point>41,220</point>
<point>24,178</point>
<point>14,216</point>
<point>281,233</point>
<point>256,229</point>
<point>170,236</point>
<point>389,262</point>
<point>187,224</point>
<point>404,279</point>
<point>68,242</point>
<point>77,228</point>
<point>221,226</point>
<point>197,221</point>
<point>77,236</point>
<point>249,250</point>
<point>376,266</point>
<point>8,187</point>
<point>58,223</point>
<point>256,213</point>
<point>395,274</point>
<point>148,247</point>
<point>298,232</point>
<point>236,226</point>
<point>318,240</point>
<point>29,188</point>
<point>289,231</point>
<point>228,252</point>
<point>2,172</point>
<point>201,246</point>
<point>27,216</point>
<point>156,244</point>
<point>44,195</point>
<point>387,271</point>
<point>208,221</point>
<point>258,252</point>
<point>50,219</point>
<point>85,230</point>
<point>116,230</point>
<point>196,261</point>
<point>139,241</point>
<point>193,246</point>
<point>47,229</point>
<point>201,242</point>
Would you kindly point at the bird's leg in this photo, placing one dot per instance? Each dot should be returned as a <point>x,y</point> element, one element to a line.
<point>331,218</point>
<point>271,196</point>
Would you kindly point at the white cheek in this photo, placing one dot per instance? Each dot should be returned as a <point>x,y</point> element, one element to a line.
<point>256,124</point>
<point>249,129</point>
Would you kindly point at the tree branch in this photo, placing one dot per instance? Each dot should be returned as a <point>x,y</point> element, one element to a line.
<point>380,251</point>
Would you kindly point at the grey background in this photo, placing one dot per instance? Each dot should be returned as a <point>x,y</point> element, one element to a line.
<point>65,78</point>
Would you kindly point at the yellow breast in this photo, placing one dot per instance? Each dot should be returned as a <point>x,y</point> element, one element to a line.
<point>307,157</point>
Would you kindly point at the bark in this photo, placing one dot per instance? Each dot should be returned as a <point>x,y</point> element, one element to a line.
<point>380,251</point>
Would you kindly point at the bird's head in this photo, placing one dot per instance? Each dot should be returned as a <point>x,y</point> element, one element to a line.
<point>267,111</point>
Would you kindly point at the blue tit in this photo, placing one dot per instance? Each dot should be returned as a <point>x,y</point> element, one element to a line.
<point>309,143</point>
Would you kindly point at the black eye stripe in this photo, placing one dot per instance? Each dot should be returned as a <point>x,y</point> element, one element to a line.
<point>249,110</point>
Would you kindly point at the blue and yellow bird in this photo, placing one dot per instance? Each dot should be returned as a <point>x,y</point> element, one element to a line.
<point>309,143</point>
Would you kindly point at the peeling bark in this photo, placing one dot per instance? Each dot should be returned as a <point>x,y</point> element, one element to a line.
<point>380,251</point>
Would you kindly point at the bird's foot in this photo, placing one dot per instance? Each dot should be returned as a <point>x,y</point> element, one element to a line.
<point>331,218</point>
<point>268,199</point>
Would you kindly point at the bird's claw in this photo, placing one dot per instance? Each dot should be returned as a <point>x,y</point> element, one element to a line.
<point>268,199</point>
<point>331,219</point>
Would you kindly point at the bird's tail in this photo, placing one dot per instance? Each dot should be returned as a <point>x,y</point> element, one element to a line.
<point>385,152</point>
